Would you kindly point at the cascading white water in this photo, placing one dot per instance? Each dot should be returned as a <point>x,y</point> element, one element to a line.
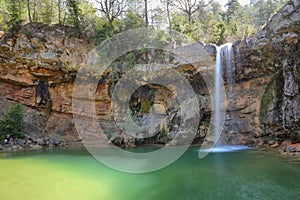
<point>218,82</point>
<point>237,56</point>
<point>226,51</point>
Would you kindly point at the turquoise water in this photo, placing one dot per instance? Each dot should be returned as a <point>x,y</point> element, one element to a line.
<point>72,174</point>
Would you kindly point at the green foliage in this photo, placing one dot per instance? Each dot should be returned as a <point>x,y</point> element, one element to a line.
<point>160,38</point>
<point>233,11</point>
<point>75,15</point>
<point>3,15</point>
<point>133,20</point>
<point>208,23</point>
<point>10,124</point>
<point>103,31</point>
<point>15,9</point>
<point>221,31</point>
<point>46,12</point>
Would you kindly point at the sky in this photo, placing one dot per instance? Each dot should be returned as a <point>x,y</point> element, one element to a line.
<point>222,2</point>
<point>154,3</point>
<point>242,2</point>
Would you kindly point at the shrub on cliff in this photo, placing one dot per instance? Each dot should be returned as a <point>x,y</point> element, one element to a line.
<point>11,121</point>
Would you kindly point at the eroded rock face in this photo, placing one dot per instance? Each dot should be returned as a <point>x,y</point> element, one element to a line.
<point>274,52</point>
<point>39,69</point>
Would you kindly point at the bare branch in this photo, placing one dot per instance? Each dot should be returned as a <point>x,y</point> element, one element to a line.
<point>111,9</point>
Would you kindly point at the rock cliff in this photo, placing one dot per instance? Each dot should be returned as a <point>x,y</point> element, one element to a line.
<point>38,68</point>
<point>273,55</point>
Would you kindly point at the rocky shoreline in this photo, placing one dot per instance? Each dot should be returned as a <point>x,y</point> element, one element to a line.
<point>32,143</point>
<point>289,149</point>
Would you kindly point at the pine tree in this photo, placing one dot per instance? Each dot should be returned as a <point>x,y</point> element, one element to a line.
<point>11,122</point>
<point>74,15</point>
<point>15,10</point>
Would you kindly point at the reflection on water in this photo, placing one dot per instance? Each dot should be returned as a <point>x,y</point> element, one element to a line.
<point>223,149</point>
<point>74,174</point>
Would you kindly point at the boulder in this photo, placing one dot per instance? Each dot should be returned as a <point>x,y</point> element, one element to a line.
<point>40,142</point>
<point>21,142</point>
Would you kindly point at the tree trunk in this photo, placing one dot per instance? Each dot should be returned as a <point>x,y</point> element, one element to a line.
<point>190,17</point>
<point>169,17</point>
<point>51,10</point>
<point>146,19</point>
<point>260,14</point>
<point>28,10</point>
<point>147,29</point>
<point>34,11</point>
<point>59,12</point>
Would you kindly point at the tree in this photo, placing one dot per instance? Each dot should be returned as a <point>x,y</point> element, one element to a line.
<point>75,13</point>
<point>34,10</point>
<point>11,122</point>
<point>133,20</point>
<point>3,15</point>
<point>28,11</point>
<point>111,9</point>
<point>146,17</point>
<point>47,11</point>
<point>190,7</point>
<point>15,11</point>
<point>222,29</point>
<point>233,11</point>
<point>168,4</point>
<point>59,5</point>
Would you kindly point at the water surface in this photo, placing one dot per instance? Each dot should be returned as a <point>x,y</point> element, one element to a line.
<point>72,174</point>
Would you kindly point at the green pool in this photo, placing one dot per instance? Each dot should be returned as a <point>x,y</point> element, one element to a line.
<point>72,174</point>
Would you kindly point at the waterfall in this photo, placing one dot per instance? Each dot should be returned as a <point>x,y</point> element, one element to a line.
<point>223,52</point>
<point>217,103</point>
<point>224,63</point>
<point>238,68</point>
<point>229,65</point>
